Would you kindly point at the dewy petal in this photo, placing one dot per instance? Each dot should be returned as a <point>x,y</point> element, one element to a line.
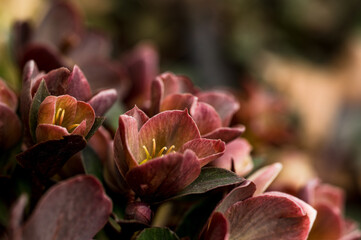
<point>127,143</point>
<point>76,208</point>
<point>103,101</point>
<point>47,110</point>
<point>206,117</point>
<point>237,154</point>
<point>84,112</point>
<point>218,227</point>
<point>224,103</point>
<point>139,115</point>
<point>178,102</point>
<point>78,85</point>
<point>167,128</point>
<point>46,132</point>
<point>69,105</point>
<point>226,134</point>
<point>269,217</point>
<point>206,149</point>
<point>265,176</point>
<point>164,176</point>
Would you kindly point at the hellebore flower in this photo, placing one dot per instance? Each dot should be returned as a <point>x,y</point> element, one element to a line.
<point>212,111</point>
<point>160,156</point>
<point>60,82</point>
<point>61,116</point>
<point>249,214</point>
<point>330,223</point>
<point>10,126</point>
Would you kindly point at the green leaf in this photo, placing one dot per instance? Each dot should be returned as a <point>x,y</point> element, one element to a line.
<point>39,97</point>
<point>211,178</point>
<point>91,163</point>
<point>97,123</point>
<point>156,234</point>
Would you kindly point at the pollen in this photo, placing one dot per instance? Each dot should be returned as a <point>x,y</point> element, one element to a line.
<point>154,154</point>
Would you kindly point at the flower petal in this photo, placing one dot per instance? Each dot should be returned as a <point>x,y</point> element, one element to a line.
<point>103,101</point>
<point>164,176</point>
<point>81,129</point>
<point>176,84</point>
<point>167,128</point>
<point>10,127</point>
<point>236,155</point>
<point>46,113</point>
<point>177,102</point>
<point>7,96</point>
<point>224,103</point>
<point>226,134</point>
<point>76,208</point>
<point>56,81</point>
<point>218,227</point>
<point>206,117</point>
<point>139,115</point>
<point>78,85</point>
<point>69,105</point>
<point>264,177</point>
<point>46,132</point>
<point>84,112</point>
<point>268,217</point>
<point>206,149</point>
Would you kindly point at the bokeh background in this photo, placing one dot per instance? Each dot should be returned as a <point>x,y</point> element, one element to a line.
<point>294,65</point>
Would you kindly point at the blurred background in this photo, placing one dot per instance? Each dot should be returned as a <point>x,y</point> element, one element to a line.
<point>295,66</point>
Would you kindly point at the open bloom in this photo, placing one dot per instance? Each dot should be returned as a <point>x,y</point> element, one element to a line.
<point>10,127</point>
<point>61,116</point>
<point>212,111</point>
<point>160,156</point>
<point>248,213</point>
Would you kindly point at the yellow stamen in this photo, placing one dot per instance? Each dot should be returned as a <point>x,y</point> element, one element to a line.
<point>170,149</point>
<point>57,115</point>
<point>161,151</point>
<point>144,161</point>
<point>72,127</point>
<point>153,152</point>
<point>62,117</point>
<point>147,153</point>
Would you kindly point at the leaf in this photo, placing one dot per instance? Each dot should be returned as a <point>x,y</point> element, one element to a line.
<point>91,163</point>
<point>39,97</point>
<point>157,233</point>
<point>211,178</point>
<point>97,123</point>
<point>47,158</point>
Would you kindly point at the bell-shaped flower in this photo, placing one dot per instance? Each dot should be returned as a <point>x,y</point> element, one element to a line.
<point>61,81</point>
<point>61,116</point>
<point>212,111</point>
<point>160,156</point>
<point>248,213</point>
<point>10,126</point>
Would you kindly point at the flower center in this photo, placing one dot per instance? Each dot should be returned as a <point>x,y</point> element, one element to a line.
<point>153,154</point>
<point>59,118</point>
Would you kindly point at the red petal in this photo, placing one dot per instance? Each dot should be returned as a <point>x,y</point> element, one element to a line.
<point>206,117</point>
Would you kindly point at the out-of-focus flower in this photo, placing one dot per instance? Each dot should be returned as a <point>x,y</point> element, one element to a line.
<point>236,157</point>
<point>212,111</point>
<point>60,82</point>
<point>61,39</point>
<point>160,156</point>
<point>330,223</point>
<point>61,116</point>
<point>10,126</point>
<point>248,213</point>
<point>142,66</point>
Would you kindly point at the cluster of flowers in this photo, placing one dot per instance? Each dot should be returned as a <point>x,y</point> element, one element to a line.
<point>176,145</point>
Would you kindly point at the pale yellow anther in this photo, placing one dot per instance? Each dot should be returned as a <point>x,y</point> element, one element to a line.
<point>57,115</point>
<point>147,153</point>
<point>62,117</point>
<point>170,149</point>
<point>160,153</point>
